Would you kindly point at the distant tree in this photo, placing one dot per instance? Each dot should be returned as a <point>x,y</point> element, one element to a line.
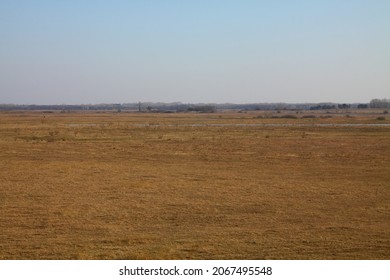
<point>380,103</point>
<point>344,106</point>
<point>362,106</point>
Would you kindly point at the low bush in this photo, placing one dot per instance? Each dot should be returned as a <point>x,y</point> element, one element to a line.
<point>288,117</point>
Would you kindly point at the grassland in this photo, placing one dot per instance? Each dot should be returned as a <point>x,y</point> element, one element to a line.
<point>194,186</point>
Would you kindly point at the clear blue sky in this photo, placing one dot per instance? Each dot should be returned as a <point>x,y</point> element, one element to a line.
<point>84,51</point>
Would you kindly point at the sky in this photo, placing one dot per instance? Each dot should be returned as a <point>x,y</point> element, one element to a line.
<point>194,51</point>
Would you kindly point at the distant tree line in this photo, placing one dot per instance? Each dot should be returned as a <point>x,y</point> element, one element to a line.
<point>198,107</point>
<point>323,107</point>
<point>380,103</point>
<point>202,109</point>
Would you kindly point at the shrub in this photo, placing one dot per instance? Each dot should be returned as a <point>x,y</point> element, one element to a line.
<point>289,117</point>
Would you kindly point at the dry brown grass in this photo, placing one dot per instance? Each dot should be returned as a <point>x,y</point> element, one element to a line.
<point>97,186</point>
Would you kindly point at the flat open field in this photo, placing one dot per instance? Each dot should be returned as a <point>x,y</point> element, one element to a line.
<point>194,186</point>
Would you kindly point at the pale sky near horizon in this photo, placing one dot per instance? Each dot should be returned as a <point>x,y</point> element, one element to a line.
<point>72,52</point>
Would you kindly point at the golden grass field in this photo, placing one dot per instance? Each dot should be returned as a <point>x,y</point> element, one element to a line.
<point>106,185</point>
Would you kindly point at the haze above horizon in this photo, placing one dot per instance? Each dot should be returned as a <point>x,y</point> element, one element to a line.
<point>90,52</point>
